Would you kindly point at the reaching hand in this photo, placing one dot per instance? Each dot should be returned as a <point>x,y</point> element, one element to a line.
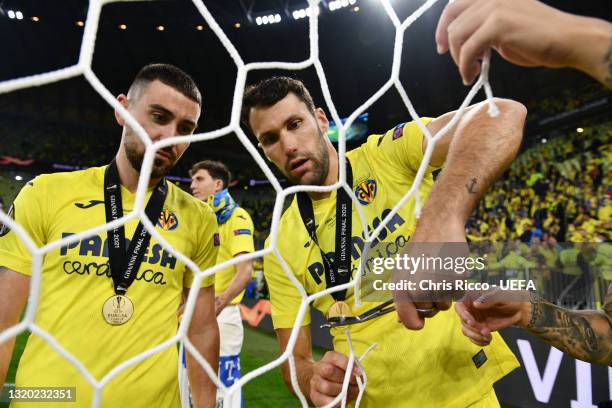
<point>479,319</point>
<point>429,240</point>
<point>524,32</point>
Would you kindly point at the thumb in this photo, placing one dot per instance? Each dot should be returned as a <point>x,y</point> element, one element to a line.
<point>484,305</point>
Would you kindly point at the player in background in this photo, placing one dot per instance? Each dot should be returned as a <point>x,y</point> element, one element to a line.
<point>114,295</point>
<point>433,367</point>
<point>209,183</point>
<point>531,33</point>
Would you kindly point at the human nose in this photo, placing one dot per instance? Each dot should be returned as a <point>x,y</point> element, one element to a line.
<point>162,132</point>
<point>288,143</point>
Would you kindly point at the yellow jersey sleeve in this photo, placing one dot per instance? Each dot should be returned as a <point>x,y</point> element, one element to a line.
<point>205,254</point>
<point>401,148</point>
<point>284,296</point>
<point>241,232</point>
<point>29,211</point>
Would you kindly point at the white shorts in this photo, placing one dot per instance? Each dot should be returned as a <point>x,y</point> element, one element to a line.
<point>231,335</point>
<point>231,332</point>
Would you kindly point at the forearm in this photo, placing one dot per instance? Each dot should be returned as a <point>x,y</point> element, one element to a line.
<point>481,149</point>
<point>596,58</point>
<point>203,390</point>
<point>586,335</point>
<point>304,373</point>
<point>302,355</point>
<point>14,287</point>
<point>241,279</point>
<point>6,352</point>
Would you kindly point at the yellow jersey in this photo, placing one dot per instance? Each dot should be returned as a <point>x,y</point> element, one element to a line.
<point>236,237</point>
<point>434,367</point>
<point>76,281</point>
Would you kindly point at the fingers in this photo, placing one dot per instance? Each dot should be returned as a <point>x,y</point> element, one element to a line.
<point>451,11</point>
<point>467,29</point>
<point>442,305</point>
<point>332,367</point>
<point>499,315</point>
<point>475,337</point>
<point>468,320</point>
<point>328,377</point>
<point>476,332</point>
<point>472,50</point>
<point>462,310</point>
<point>466,317</point>
<point>464,26</point>
<point>407,313</point>
<point>319,399</point>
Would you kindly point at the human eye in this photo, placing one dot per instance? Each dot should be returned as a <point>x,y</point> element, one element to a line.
<point>158,117</point>
<point>294,124</point>
<point>267,140</point>
<point>186,130</point>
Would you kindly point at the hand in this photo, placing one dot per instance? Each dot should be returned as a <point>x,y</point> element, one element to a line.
<point>220,303</point>
<point>431,240</point>
<point>328,376</point>
<point>524,32</point>
<point>479,319</point>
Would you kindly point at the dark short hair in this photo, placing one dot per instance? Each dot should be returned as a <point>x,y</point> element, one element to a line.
<point>216,169</point>
<point>269,91</point>
<point>169,75</point>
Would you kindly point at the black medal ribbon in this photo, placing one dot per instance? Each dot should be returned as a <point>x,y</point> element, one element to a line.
<point>338,271</point>
<point>124,264</point>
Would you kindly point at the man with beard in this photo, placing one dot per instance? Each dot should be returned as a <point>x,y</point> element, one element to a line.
<point>114,295</point>
<point>210,182</point>
<point>432,367</point>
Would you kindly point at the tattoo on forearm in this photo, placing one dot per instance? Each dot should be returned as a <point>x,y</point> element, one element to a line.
<point>470,186</point>
<point>586,335</point>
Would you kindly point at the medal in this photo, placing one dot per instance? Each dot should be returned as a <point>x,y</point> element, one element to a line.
<point>339,310</point>
<point>117,310</point>
<point>124,264</point>
<point>337,270</point>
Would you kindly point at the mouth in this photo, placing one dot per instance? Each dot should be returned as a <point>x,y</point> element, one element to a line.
<point>298,166</point>
<point>160,154</point>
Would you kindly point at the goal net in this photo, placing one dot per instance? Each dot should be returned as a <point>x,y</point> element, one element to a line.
<point>84,67</point>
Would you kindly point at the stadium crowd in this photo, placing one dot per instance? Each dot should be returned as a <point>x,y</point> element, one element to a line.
<point>559,190</point>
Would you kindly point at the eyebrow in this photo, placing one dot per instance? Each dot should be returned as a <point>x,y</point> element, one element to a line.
<point>170,113</point>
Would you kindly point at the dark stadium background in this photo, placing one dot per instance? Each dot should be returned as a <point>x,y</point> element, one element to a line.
<point>356,52</point>
<point>69,124</point>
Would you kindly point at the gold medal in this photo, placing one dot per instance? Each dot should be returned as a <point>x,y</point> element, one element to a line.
<point>117,310</point>
<point>339,310</point>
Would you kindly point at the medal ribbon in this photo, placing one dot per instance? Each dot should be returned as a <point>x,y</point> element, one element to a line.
<point>125,265</point>
<point>337,271</point>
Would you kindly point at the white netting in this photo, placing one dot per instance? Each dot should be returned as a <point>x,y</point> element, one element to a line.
<point>83,67</point>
